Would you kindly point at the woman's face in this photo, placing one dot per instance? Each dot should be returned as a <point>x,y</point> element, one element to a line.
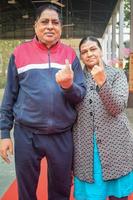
<point>48,27</point>
<point>90,54</point>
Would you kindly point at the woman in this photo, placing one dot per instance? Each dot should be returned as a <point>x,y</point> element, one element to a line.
<point>103,141</point>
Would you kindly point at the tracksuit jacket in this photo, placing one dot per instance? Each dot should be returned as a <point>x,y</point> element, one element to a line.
<point>32,97</point>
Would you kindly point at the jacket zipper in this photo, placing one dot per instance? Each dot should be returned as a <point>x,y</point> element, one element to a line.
<point>51,95</point>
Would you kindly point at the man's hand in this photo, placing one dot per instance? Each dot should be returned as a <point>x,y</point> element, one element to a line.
<point>64,77</point>
<point>98,73</point>
<point>6,149</point>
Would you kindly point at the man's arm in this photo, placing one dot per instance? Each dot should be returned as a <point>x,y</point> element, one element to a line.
<point>72,82</point>
<point>9,98</point>
<point>6,111</point>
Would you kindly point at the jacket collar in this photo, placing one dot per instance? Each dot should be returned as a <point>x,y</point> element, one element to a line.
<point>44,47</point>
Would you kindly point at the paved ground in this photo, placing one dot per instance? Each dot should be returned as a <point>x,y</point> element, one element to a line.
<point>7,172</point>
<point>130,115</point>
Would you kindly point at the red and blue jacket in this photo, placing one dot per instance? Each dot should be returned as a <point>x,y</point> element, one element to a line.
<point>32,97</point>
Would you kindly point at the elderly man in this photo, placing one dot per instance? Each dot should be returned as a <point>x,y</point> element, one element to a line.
<point>44,83</point>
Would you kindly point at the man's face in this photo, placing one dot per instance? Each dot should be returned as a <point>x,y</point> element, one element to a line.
<point>48,27</point>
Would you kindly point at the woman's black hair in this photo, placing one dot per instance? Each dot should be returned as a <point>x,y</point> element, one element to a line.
<point>47,6</point>
<point>90,38</point>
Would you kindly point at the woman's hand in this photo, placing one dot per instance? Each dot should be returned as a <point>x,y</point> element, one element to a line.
<point>98,73</point>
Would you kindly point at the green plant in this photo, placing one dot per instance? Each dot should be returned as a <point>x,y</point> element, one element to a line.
<point>2,81</point>
<point>126,53</point>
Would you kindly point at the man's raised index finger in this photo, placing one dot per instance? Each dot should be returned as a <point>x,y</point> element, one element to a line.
<point>68,64</point>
